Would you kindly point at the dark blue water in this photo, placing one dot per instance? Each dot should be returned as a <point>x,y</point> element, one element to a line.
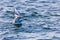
<point>40,20</point>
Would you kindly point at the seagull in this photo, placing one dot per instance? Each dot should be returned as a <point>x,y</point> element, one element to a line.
<point>17,19</point>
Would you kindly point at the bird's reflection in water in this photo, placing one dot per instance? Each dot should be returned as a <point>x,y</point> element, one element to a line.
<point>18,25</point>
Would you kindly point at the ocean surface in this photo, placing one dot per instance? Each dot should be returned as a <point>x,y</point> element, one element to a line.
<point>40,20</point>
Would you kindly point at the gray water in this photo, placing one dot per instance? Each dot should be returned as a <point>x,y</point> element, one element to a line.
<point>40,20</point>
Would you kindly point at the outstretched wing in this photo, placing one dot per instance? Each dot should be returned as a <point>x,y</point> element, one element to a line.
<point>16,17</point>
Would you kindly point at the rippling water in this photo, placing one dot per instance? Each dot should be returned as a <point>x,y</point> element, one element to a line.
<point>40,20</point>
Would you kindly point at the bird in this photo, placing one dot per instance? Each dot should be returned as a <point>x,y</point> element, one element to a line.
<point>17,19</point>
